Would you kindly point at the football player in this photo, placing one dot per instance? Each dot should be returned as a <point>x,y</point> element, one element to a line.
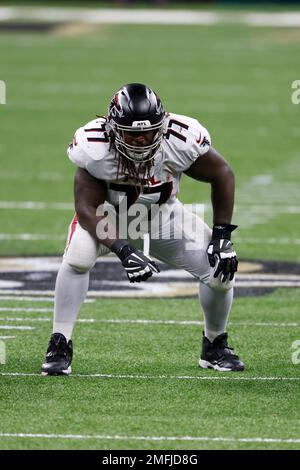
<point>139,152</point>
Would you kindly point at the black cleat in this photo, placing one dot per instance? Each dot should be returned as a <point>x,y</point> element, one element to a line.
<point>219,356</point>
<point>58,357</point>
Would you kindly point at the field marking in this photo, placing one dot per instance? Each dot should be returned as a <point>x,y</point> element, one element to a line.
<point>155,377</point>
<point>6,284</point>
<point>41,263</point>
<point>25,236</point>
<point>150,16</point>
<point>111,16</point>
<point>7,337</point>
<point>277,190</point>
<point>25,309</point>
<point>263,209</point>
<point>264,284</point>
<point>269,241</point>
<point>30,236</point>
<point>273,19</point>
<point>9,327</point>
<point>168,289</point>
<point>140,321</point>
<point>23,176</point>
<point>45,319</point>
<point>170,282</point>
<point>195,322</point>
<point>291,440</point>
<point>36,299</point>
<point>36,205</point>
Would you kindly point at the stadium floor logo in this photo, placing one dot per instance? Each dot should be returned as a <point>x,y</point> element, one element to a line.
<point>36,276</point>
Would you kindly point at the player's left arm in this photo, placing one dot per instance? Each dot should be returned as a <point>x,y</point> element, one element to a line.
<point>212,168</point>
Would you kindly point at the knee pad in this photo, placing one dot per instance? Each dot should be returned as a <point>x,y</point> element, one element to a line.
<point>79,264</point>
<point>82,251</point>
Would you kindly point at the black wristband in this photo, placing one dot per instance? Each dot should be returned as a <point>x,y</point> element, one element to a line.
<point>223,231</point>
<point>122,249</point>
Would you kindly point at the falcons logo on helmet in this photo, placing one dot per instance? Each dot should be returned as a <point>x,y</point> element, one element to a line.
<point>115,108</point>
<point>159,107</point>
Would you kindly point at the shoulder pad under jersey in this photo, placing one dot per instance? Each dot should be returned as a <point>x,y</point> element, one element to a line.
<point>185,139</point>
<point>85,147</point>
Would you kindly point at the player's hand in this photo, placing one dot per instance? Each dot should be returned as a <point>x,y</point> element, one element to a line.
<point>220,252</point>
<point>138,266</point>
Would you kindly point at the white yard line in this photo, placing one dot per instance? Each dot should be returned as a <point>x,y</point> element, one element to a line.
<point>19,309</point>
<point>35,299</point>
<point>159,377</point>
<point>36,205</point>
<point>273,19</point>
<point>282,207</point>
<point>25,236</point>
<point>277,189</point>
<point>263,283</point>
<point>195,322</point>
<point>7,337</point>
<point>30,236</point>
<point>148,322</point>
<point>268,241</point>
<point>43,319</point>
<point>9,327</point>
<point>111,16</point>
<point>24,319</point>
<point>23,176</point>
<point>290,440</point>
<point>41,263</point>
<point>150,16</point>
<point>18,292</point>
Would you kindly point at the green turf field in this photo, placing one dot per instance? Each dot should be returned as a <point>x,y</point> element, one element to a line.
<point>154,401</point>
<point>237,82</point>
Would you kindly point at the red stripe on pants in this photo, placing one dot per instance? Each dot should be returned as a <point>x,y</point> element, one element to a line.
<point>72,230</point>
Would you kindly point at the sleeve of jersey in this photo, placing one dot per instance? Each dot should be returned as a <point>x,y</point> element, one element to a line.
<point>197,144</point>
<point>76,152</point>
<point>193,141</point>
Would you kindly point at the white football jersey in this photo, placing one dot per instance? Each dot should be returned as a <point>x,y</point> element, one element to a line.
<point>185,139</point>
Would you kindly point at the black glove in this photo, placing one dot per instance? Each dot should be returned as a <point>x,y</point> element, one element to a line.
<point>138,266</point>
<point>220,251</point>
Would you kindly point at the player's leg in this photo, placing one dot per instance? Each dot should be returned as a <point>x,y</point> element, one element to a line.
<point>188,252</point>
<point>216,354</point>
<point>70,291</point>
<point>73,278</point>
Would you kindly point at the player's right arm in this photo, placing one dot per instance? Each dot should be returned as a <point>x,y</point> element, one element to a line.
<point>89,194</point>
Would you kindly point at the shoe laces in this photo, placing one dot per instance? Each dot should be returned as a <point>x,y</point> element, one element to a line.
<point>230,351</point>
<point>57,347</point>
<point>224,349</point>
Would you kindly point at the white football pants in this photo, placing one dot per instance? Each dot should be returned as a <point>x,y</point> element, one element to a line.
<point>181,244</point>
